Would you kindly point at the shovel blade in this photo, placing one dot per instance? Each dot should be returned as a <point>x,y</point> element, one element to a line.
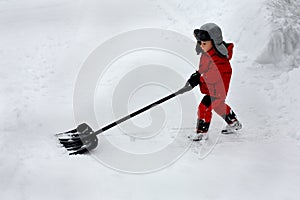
<point>80,140</point>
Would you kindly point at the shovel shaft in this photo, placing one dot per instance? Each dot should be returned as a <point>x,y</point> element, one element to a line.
<point>181,91</point>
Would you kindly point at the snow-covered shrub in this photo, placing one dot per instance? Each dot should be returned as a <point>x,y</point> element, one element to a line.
<point>284,42</point>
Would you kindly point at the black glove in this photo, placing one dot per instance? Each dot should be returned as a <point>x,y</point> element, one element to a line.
<point>198,48</point>
<point>194,80</point>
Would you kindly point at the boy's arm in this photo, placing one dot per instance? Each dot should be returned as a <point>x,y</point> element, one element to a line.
<point>203,65</point>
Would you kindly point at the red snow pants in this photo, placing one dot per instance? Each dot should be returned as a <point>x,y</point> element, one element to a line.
<point>208,104</point>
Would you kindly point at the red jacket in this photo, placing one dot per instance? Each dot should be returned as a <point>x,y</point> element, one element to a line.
<point>215,73</point>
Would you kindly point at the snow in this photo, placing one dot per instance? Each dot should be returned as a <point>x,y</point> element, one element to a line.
<point>44,45</point>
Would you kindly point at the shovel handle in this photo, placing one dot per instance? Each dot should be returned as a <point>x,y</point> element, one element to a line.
<point>186,88</point>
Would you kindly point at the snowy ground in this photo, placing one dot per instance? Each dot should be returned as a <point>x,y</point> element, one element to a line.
<point>43,47</point>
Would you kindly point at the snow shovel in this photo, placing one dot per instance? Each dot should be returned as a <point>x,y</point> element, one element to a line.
<point>83,138</point>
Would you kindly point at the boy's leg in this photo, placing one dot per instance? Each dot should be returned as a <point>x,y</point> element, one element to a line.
<point>204,114</point>
<point>221,108</point>
<point>225,111</point>
<point>233,124</point>
<point>204,118</point>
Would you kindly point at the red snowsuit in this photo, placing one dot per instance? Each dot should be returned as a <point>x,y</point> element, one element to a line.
<point>214,82</point>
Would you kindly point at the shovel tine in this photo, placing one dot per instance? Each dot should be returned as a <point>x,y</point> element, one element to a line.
<point>67,133</point>
<point>71,144</point>
<point>74,148</point>
<point>64,140</point>
<point>82,150</point>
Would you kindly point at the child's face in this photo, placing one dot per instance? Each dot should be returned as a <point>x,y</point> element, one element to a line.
<point>206,45</point>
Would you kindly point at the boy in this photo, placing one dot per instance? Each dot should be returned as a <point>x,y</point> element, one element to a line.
<point>213,78</point>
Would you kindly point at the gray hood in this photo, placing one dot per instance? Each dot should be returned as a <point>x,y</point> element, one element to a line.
<point>215,34</point>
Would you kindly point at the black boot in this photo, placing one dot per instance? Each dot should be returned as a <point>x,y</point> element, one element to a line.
<point>202,126</point>
<point>233,123</point>
<point>201,131</point>
<point>230,118</point>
